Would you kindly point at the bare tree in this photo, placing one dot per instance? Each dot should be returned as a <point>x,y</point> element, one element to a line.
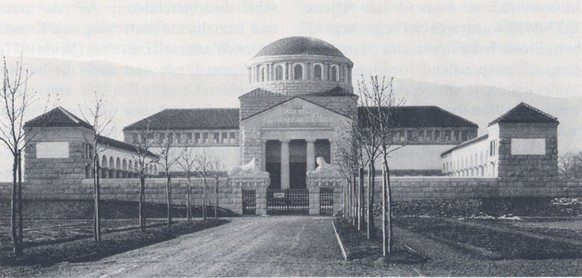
<point>203,165</point>
<point>186,161</point>
<point>219,170</point>
<point>167,159</point>
<point>382,112</point>
<point>16,100</point>
<point>102,123</point>
<point>145,159</point>
<point>570,165</point>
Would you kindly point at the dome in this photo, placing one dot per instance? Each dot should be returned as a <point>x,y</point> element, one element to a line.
<point>300,45</point>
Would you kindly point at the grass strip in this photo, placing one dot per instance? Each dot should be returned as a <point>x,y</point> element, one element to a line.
<point>503,245</point>
<point>82,250</point>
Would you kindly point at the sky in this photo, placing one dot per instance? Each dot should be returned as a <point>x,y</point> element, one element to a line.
<point>532,46</point>
<point>517,45</point>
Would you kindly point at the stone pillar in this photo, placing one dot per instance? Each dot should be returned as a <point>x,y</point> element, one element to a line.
<point>264,156</point>
<point>285,164</point>
<point>313,184</point>
<point>310,155</point>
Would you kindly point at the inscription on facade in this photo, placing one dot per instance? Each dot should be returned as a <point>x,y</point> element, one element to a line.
<point>297,118</point>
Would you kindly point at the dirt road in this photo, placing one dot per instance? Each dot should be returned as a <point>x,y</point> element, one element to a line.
<point>254,246</point>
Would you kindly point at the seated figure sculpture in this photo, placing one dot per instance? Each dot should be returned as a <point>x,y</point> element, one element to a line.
<point>322,165</point>
<point>247,168</point>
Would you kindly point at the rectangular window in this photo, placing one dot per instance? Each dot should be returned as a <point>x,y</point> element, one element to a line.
<point>197,138</point>
<point>171,137</point>
<point>410,135</point>
<point>189,137</point>
<point>402,135</point>
<point>223,138</point>
<point>464,135</point>
<point>161,137</point>
<point>204,138</point>
<point>429,135</point>
<point>437,135</point>
<point>457,135</point>
<point>447,136</point>
<point>216,137</point>
<point>179,138</point>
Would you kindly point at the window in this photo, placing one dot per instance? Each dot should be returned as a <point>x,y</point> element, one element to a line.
<point>409,135</point>
<point>333,73</point>
<point>189,137</point>
<point>457,135</point>
<point>402,135</point>
<point>279,72</point>
<point>437,135</point>
<point>429,135</point>
<point>464,135</point>
<point>298,72</point>
<point>216,136</point>
<point>223,138</point>
<point>179,138</point>
<point>161,137</point>
<point>171,137</point>
<point>197,138</point>
<point>232,137</point>
<point>204,137</point>
<point>317,72</point>
<point>447,135</point>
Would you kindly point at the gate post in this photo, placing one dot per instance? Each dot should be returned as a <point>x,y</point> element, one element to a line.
<point>261,202</point>
<point>313,185</point>
<point>255,180</point>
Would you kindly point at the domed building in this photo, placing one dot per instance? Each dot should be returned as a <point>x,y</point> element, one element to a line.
<point>295,115</point>
<point>300,102</point>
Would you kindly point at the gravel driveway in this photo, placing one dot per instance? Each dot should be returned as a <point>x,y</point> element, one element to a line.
<point>249,246</point>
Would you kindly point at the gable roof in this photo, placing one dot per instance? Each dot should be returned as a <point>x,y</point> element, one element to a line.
<point>288,100</point>
<point>466,143</point>
<point>418,116</point>
<point>58,117</point>
<point>182,119</point>
<point>120,145</point>
<point>525,113</point>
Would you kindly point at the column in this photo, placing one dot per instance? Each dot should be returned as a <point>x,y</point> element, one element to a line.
<point>310,155</point>
<point>285,164</point>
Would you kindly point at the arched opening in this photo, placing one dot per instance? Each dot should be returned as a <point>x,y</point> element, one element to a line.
<point>118,168</point>
<point>111,168</point>
<point>334,73</point>
<point>317,72</point>
<point>104,168</point>
<point>298,72</point>
<point>279,72</point>
<point>87,171</point>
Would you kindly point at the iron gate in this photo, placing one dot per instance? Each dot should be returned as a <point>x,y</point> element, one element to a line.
<point>249,201</point>
<point>326,201</point>
<point>287,201</point>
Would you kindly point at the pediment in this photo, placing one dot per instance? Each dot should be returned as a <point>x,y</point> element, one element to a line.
<point>297,113</point>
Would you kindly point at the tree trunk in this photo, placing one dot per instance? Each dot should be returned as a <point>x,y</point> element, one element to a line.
<point>20,204</point>
<point>169,198</point>
<point>97,209</point>
<point>371,229</point>
<point>385,250</point>
<point>361,199</point>
<point>14,208</point>
<point>354,198</point>
<point>216,199</point>
<point>188,208</point>
<point>390,233</point>
<point>204,198</point>
<point>142,220</point>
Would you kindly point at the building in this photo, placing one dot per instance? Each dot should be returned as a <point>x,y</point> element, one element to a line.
<point>299,105</point>
<point>301,99</point>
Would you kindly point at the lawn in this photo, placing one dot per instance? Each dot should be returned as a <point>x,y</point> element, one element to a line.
<point>359,248</point>
<point>561,227</point>
<point>119,239</point>
<point>48,231</point>
<point>490,243</point>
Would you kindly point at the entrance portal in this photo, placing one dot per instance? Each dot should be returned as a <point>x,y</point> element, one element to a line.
<point>297,164</point>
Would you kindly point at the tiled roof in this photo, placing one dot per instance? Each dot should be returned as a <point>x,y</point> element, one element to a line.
<point>259,92</point>
<point>182,119</point>
<point>118,144</point>
<point>525,113</point>
<point>419,116</point>
<point>466,143</point>
<point>299,45</point>
<point>335,92</point>
<point>58,117</point>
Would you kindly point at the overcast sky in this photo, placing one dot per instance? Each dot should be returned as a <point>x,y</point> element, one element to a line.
<point>517,45</point>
